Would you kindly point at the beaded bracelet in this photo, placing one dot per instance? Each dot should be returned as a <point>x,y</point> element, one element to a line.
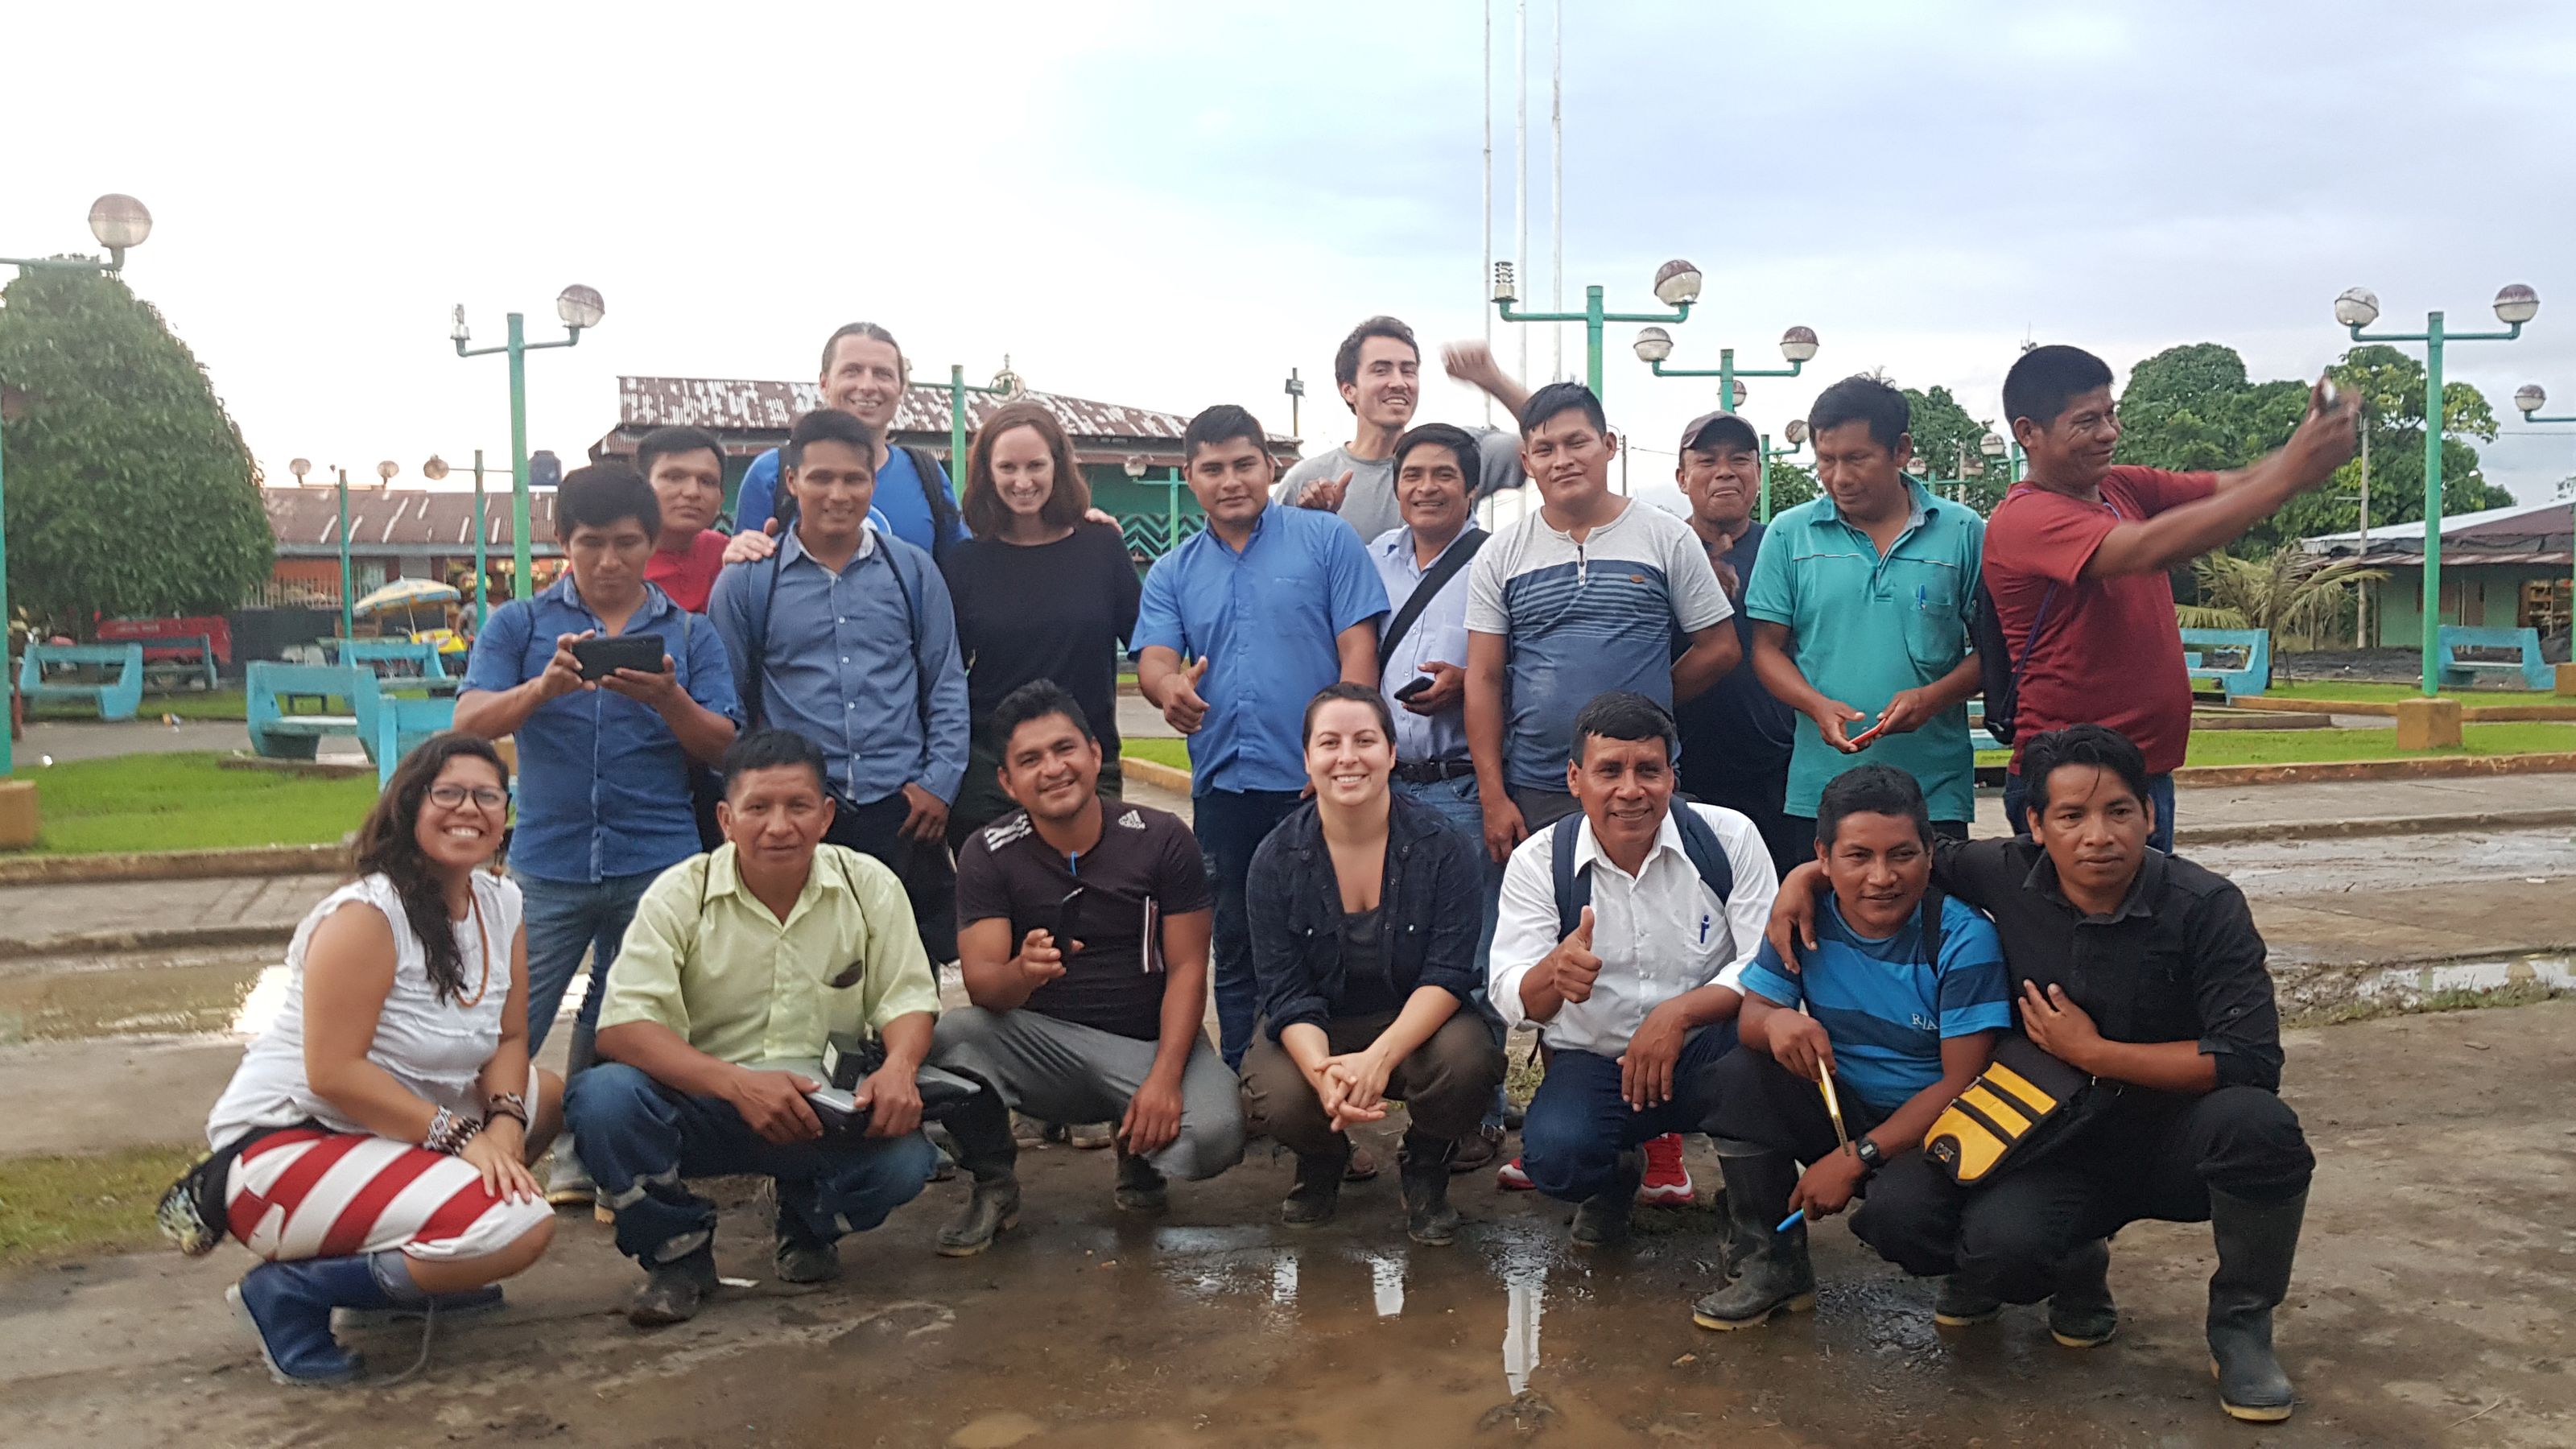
<point>507,1104</point>
<point>449,1133</point>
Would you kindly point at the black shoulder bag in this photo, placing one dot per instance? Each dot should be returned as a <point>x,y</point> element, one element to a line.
<point>1452,564</point>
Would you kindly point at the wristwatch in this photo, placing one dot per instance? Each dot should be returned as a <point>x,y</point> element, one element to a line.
<point>1867,1151</point>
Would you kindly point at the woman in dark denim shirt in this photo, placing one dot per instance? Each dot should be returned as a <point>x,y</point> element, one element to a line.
<point>1365,909</point>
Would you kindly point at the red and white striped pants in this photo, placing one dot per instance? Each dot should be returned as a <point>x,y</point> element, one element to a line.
<point>309,1193</point>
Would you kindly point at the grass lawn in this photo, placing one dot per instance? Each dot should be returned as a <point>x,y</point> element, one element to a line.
<point>187,802</point>
<point>2283,747</point>
<point>1175,753</point>
<point>60,1206</point>
<point>2362,692</point>
<point>193,704</point>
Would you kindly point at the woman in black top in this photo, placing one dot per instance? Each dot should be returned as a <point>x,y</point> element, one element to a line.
<point>1039,593</point>
<point>1365,912</point>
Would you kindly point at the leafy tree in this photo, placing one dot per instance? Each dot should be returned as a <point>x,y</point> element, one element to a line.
<point>1945,436</point>
<point>130,489</point>
<point>2288,591</point>
<point>1791,485</point>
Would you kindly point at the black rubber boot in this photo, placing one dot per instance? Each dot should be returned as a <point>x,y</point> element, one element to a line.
<point>1959,1306</point>
<point>1140,1185</point>
<point>2081,1313</point>
<point>674,1291</point>
<point>1319,1188</point>
<point>800,1255</point>
<point>981,1128</point>
<point>2256,1243</point>
<point>1775,1277</point>
<point>1602,1219</point>
<point>1423,1174</point>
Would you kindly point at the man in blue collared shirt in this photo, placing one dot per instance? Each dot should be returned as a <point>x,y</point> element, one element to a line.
<point>845,636</point>
<point>604,802</point>
<point>1425,667</point>
<point>1271,603</point>
<point>1860,603</point>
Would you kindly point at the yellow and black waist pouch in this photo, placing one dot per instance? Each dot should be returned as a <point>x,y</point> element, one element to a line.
<point>2024,1098</point>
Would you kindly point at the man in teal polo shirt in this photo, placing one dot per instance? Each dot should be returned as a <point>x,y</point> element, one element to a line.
<point>1860,603</point>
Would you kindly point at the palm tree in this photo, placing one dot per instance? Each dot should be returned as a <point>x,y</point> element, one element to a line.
<point>2289,592</point>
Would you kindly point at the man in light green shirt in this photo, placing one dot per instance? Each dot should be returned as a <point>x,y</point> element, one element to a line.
<point>739,967</point>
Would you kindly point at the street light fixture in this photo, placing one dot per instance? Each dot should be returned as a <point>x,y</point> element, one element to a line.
<point>1997,446</point>
<point>1677,285</point>
<point>1005,385</point>
<point>435,470</point>
<point>119,222</point>
<point>2357,308</point>
<point>1797,345</point>
<point>579,308</point>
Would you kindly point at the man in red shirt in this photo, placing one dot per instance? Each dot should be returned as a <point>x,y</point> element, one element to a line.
<point>2082,552</point>
<point>686,468</point>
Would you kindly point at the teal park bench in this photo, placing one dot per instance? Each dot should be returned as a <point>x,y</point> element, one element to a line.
<point>395,725</point>
<point>2250,648</point>
<point>2469,653</point>
<point>108,676</point>
<point>290,707</point>
<point>396,661</point>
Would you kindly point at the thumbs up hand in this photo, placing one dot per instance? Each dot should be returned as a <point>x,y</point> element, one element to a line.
<point>1183,709</point>
<point>1574,964</point>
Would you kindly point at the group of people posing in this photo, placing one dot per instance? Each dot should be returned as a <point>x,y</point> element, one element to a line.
<point>1686,798</point>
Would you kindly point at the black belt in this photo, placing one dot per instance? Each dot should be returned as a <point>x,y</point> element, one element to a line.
<point>1432,772</point>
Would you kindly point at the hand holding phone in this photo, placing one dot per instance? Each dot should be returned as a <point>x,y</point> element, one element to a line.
<point>1414,690</point>
<point>600,658</point>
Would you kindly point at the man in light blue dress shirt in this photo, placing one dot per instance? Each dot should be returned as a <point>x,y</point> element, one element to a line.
<point>846,636</point>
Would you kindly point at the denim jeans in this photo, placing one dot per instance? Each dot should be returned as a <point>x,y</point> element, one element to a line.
<point>565,920</point>
<point>1230,825</point>
<point>2160,793</point>
<point>640,1139</point>
<point>1578,1124</point>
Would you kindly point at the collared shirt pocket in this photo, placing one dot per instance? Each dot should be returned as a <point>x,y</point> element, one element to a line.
<point>1936,636</point>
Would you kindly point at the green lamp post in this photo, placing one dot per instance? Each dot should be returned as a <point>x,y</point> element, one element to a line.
<point>1997,448</point>
<point>2356,309</point>
<point>1005,385</point>
<point>2531,399</point>
<point>579,308</point>
<point>436,469</point>
<point>119,223</point>
<point>1798,344</point>
<point>1795,434</point>
<point>1676,286</point>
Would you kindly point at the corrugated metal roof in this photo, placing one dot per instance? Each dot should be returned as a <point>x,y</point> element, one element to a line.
<point>306,521</point>
<point>2513,520</point>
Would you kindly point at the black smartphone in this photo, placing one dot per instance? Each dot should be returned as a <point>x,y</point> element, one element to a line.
<point>1411,691</point>
<point>601,657</point>
<point>1062,926</point>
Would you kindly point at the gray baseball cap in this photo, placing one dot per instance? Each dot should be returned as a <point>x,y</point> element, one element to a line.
<point>1709,430</point>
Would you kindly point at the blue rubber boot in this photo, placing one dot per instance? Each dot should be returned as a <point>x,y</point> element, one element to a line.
<point>288,1305</point>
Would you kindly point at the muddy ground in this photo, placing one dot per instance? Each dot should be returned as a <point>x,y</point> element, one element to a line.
<point>2430,1308</point>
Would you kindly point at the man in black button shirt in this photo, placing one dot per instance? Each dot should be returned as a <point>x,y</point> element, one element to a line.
<point>2145,972</point>
<point>1083,930</point>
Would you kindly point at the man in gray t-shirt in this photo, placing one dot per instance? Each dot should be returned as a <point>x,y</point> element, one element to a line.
<point>1378,369</point>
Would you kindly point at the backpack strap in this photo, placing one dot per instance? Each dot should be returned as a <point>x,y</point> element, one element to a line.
<point>943,510</point>
<point>1461,553</point>
<point>1707,853</point>
<point>1934,903</point>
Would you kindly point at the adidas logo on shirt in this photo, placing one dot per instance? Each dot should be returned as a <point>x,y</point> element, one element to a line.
<point>1131,821</point>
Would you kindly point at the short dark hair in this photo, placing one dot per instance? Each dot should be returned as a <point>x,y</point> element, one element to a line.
<point>1442,435</point>
<point>1558,397</point>
<point>1346,358</point>
<point>1862,399</point>
<point>669,442</point>
<point>2045,379</point>
<point>872,332</point>
<point>1356,694</point>
<point>1622,714</point>
<point>1222,424</point>
<point>602,493</point>
<point>1872,790</point>
<point>827,425</point>
<point>1034,700</point>
<point>772,749</point>
<point>2083,744</point>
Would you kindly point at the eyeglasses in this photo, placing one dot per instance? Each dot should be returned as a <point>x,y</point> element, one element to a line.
<point>450,797</point>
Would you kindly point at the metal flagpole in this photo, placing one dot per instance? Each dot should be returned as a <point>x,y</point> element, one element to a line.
<point>1556,183</point>
<point>1520,159</point>
<point>1488,272</point>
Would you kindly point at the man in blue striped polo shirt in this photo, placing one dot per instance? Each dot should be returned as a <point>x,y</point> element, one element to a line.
<point>1860,603</point>
<point>1901,1020</point>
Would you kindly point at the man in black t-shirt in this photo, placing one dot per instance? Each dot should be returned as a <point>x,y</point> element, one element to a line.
<point>1083,929</point>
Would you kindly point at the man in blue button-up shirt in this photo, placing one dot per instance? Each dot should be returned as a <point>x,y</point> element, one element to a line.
<point>1270,604</point>
<point>845,636</point>
<point>604,766</point>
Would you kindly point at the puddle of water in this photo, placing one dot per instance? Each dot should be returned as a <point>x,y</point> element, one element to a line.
<point>1524,1298</point>
<point>2407,983</point>
<point>1386,1285</point>
<point>188,998</point>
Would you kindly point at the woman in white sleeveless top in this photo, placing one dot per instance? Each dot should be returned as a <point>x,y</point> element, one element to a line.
<point>388,1117</point>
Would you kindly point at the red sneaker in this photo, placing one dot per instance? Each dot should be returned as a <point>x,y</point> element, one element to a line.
<point>1668,1182</point>
<point>1510,1178</point>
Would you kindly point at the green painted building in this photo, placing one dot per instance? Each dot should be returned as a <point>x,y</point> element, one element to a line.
<point>1130,456</point>
<point>2504,568</point>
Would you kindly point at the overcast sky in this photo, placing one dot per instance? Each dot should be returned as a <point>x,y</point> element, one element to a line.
<point>1172,204</point>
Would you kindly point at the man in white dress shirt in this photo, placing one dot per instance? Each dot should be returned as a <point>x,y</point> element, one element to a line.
<point>1622,942</point>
